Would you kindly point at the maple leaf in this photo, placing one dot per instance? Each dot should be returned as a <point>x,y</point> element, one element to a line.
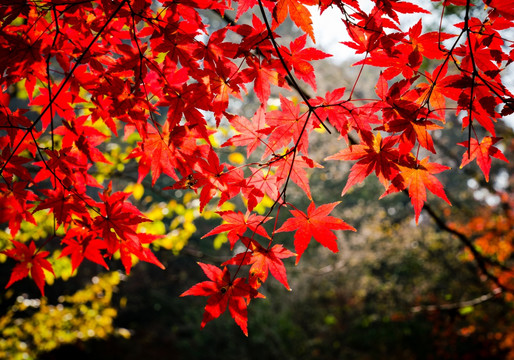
<point>412,130</point>
<point>62,105</point>
<point>225,81</point>
<point>428,44</point>
<point>224,292</point>
<point>298,58</point>
<point>217,50</point>
<point>85,138</point>
<point>252,133</point>
<point>118,218</point>
<point>293,167</point>
<point>482,109</point>
<point>395,102</point>
<point>417,177</point>
<point>288,125</point>
<point>167,151</point>
<point>12,123</point>
<point>263,261</point>
<point>435,91</point>
<point>260,183</point>
<point>68,165</point>
<point>316,223</point>
<point>375,154</point>
<point>64,204</point>
<point>245,5</point>
<point>482,152</point>
<point>15,165</point>
<point>134,247</point>
<point>80,245</point>
<point>390,7</point>
<point>117,224</point>
<point>297,12</point>
<point>502,7</point>
<point>30,260</point>
<point>264,73</point>
<point>336,110</point>
<point>255,36</point>
<point>15,206</point>
<point>364,40</point>
<point>212,177</point>
<point>236,223</point>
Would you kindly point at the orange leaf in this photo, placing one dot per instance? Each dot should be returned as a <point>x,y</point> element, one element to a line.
<point>483,152</point>
<point>297,12</point>
<point>417,177</point>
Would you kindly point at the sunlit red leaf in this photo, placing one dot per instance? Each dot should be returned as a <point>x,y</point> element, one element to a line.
<point>297,12</point>
<point>29,260</point>
<point>315,224</point>
<point>482,152</point>
<point>223,292</point>
<point>252,132</point>
<point>263,261</point>
<point>417,177</point>
<point>293,167</point>
<point>237,223</point>
<point>80,246</point>
<point>376,155</point>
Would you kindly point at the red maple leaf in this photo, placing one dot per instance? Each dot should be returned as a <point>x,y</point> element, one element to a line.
<point>64,204</point>
<point>263,261</point>
<point>411,130</point>
<point>134,247</point>
<point>336,110</point>
<point>260,183</point>
<point>297,12</point>
<point>226,81</point>
<point>213,177</point>
<point>417,177</point>
<point>245,5</point>
<point>70,166</point>
<point>298,57</point>
<point>117,224</point>
<point>15,205</point>
<point>30,260</point>
<point>62,105</point>
<point>502,7</point>
<point>263,73</point>
<point>364,40</point>
<point>428,44</point>
<point>293,167</point>
<point>375,154</point>
<point>80,245</point>
<point>118,219</point>
<point>403,7</point>
<point>432,92</point>
<point>288,125</point>
<point>482,152</point>
<point>255,36</point>
<point>236,223</point>
<point>165,152</point>
<point>252,133</point>
<point>482,109</point>
<point>85,138</point>
<point>223,292</point>
<point>316,223</point>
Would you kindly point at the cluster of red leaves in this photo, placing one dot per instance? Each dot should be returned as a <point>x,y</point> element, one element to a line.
<point>123,63</point>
